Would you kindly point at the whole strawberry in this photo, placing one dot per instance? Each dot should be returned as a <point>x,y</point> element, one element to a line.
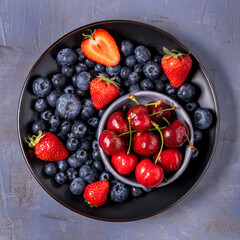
<point>96,193</point>
<point>103,90</point>
<point>47,147</point>
<point>176,66</point>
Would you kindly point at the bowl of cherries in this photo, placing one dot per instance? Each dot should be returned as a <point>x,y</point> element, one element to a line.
<point>145,139</point>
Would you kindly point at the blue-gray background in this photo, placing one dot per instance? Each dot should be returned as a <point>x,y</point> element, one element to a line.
<point>210,29</point>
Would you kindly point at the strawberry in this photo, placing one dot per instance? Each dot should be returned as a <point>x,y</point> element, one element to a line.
<point>176,66</point>
<point>96,193</point>
<point>101,47</point>
<point>48,147</point>
<point>103,90</point>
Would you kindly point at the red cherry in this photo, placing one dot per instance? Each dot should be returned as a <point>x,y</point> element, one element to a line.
<point>145,143</point>
<point>140,119</point>
<point>149,174</point>
<point>175,135</point>
<point>158,117</point>
<point>110,142</point>
<point>123,163</point>
<point>117,122</point>
<point>170,160</point>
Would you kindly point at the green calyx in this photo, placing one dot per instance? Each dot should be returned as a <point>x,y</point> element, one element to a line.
<point>108,80</point>
<point>34,140</point>
<point>174,53</point>
<point>89,36</point>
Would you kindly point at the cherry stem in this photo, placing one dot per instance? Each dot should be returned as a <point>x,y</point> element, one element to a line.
<point>161,148</point>
<point>156,104</point>
<point>133,99</point>
<point>124,108</point>
<point>164,110</point>
<point>166,121</point>
<point>130,131</point>
<point>190,144</point>
<point>134,131</point>
<point>165,179</point>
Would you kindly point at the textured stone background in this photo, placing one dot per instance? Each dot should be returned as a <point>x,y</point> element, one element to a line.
<point>208,27</point>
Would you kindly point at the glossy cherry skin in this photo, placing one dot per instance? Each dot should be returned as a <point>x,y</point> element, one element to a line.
<point>170,160</point>
<point>117,122</point>
<point>145,143</point>
<point>158,118</point>
<point>110,142</point>
<point>175,135</point>
<point>149,174</point>
<point>123,163</point>
<point>140,119</point>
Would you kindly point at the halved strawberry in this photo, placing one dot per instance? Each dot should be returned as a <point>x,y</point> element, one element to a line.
<point>101,47</point>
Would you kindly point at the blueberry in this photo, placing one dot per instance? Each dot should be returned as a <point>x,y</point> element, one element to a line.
<point>53,97</point>
<point>54,121</point>
<point>146,189</point>
<point>99,68</point>
<point>195,154</point>
<point>63,165</point>
<point>91,135</point>
<point>121,92</point>
<point>90,63</point>
<point>50,169</point>
<point>130,61</point>
<point>163,76</point>
<point>152,70</point>
<point>68,106</point>
<point>169,89</point>
<point>68,71</point>
<point>66,57</point>
<point>78,185</point>
<point>60,177</point>
<point>157,59</point>
<point>41,105</point>
<point>46,115</point>
<point>126,84</point>
<point>127,47</point>
<point>125,71</point>
<point>59,81</point>
<point>113,70</point>
<point>80,67</point>
<point>186,92</point>
<point>72,144</point>
<point>95,144</point>
<point>83,80</point>
<point>98,165</point>
<point>159,86</point>
<point>69,89</point>
<point>85,144</point>
<point>106,75</point>
<point>89,162</point>
<point>142,54</point>
<point>79,129</point>
<point>53,129</point>
<point>119,192</point>
<point>136,192</point>
<point>80,55</point>
<point>88,173</point>
<point>41,87</point>
<point>146,84</point>
<point>74,162</point>
<point>87,112</point>
<point>74,79</point>
<point>71,173</point>
<point>118,80</point>
<point>101,112</point>
<point>174,97</point>
<point>191,106</point>
<point>39,125</point>
<point>202,118</point>
<point>96,155</point>
<point>105,176</point>
<point>61,135</point>
<point>93,122</point>
<point>138,68</point>
<point>134,88</point>
<point>134,78</point>
<point>81,155</point>
<point>81,93</point>
<point>87,102</point>
<point>66,127</point>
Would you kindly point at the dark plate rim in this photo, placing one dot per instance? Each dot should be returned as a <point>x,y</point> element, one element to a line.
<point>170,36</point>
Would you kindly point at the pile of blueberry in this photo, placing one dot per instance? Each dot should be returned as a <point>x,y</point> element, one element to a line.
<point>66,109</point>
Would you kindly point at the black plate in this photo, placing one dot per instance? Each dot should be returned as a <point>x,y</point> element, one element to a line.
<point>157,200</point>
